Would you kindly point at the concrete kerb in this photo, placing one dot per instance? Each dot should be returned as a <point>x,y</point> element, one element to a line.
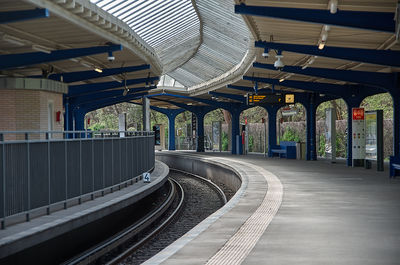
<point>215,231</point>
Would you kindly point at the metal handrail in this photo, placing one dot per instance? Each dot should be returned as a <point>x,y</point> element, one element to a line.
<point>37,173</point>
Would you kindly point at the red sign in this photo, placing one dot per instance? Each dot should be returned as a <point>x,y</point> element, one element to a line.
<point>358,114</point>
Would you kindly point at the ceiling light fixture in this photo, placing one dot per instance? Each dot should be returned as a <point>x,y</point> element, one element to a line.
<point>278,63</point>
<point>333,6</point>
<point>281,80</point>
<point>255,87</point>
<point>265,54</point>
<point>97,69</point>
<point>321,45</point>
<point>126,89</point>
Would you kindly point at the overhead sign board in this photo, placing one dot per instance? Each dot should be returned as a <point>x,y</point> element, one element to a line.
<point>256,99</point>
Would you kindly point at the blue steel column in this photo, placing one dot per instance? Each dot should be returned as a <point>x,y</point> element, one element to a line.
<point>396,123</point>
<point>272,111</point>
<point>79,119</point>
<point>236,132</point>
<point>200,131</point>
<point>67,116</point>
<point>311,153</point>
<point>171,132</point>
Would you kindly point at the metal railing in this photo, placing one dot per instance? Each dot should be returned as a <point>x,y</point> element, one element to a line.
<point>48,168</point>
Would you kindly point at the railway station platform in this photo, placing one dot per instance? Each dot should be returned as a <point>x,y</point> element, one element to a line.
<point>27,235</point>
<point>296,212</point>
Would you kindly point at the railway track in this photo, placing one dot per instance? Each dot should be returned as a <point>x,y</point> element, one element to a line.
<point>122,246</point>
<point>102,249</point>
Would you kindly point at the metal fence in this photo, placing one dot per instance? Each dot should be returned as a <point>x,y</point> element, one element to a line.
<point>66,166</point>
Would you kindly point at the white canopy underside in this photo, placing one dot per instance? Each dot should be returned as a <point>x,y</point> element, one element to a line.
<point>194,47</point>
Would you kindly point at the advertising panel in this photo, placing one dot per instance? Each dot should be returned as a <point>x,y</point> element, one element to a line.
<point>330,134</point>
<point>358,135</point>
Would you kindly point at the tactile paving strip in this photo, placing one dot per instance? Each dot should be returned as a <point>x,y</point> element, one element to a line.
<point>243,241</point>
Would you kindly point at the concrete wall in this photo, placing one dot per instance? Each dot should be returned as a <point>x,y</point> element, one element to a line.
<point>206,168</point>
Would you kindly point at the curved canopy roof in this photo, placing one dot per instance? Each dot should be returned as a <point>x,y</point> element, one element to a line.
<point>196,41</point>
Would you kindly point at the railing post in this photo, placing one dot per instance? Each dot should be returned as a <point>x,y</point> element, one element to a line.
<point>93,188</point>
<point>66,172</point>
<point>80,169</point>
<point>29,176</point>
<point>49,173</point>
<point>112,162</point>
<point>120,163</point>
<point>104,169</point>
<point>126,160</point>
<point>3,221</point>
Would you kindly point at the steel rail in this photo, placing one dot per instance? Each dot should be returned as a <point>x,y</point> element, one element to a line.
<point>209,182</point>
<point>121,237</point>
<point>159,228</point>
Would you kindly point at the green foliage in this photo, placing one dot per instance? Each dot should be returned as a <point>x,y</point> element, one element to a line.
<point>253,115</point>
<point>215,115</point>
<point>321,147</point>
<point>380,102</point>
<point>290,135</point>
<point>341,144</point>
<point>225,141</point>
<point>251,143</point>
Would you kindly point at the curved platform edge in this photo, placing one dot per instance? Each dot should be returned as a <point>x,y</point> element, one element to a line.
<point>245,217</point>
<point>25,235</point>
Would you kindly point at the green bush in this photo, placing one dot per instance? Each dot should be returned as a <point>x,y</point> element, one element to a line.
<point>321,147</point>
<point>225,141</point>
<point>251,143</point>
<point>290,135</point>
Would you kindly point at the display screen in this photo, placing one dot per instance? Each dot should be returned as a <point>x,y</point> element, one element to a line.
<point>253,99</point>
<point>370,135</point>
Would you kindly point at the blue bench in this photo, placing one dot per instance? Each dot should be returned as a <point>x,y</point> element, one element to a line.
<point>284,150</point>
<point>394,165</point>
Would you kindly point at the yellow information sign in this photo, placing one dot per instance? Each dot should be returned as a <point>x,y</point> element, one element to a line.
<point>289,98</point>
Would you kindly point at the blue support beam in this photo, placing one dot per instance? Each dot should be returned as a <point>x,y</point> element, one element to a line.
<point>101,103</point>
<point>22,15</point>
<point>323,88</point>
<point>239,98</point>
<point>171,114</point>
<point>199,111</point>
<point>381,57</point>
<point>216,104</point>
<point>383,80</point>
<point>234,108</point>
<point>91,74</point>
<point>23,59</point>
<point>77,90</point>
<point>103,95</point>
<point>376,21</point>
<point>241,88</point>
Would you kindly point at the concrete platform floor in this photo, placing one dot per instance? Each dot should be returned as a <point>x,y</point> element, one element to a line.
<point>330,214</point>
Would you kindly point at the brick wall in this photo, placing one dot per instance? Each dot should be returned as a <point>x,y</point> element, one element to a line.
<point>27,110</point>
